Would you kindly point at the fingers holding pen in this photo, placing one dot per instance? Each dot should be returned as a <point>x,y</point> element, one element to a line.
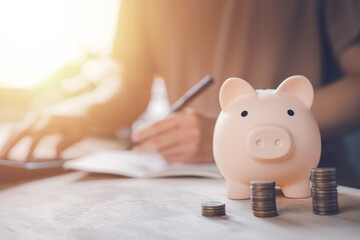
<point>155,129</point>
<point>175,121</point>
<point>158,136</point>
<point>178,140</point>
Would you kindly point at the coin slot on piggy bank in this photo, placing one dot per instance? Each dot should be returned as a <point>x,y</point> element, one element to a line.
<point>267,134</point>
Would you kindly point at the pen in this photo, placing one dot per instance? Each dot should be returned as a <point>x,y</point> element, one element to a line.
<point>191,94</point>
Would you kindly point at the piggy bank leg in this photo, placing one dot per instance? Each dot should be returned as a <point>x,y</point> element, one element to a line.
<point>237,190</point>
<point>300,189</point>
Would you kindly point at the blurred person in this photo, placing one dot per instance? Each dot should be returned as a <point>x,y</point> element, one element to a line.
<point>263,42</point>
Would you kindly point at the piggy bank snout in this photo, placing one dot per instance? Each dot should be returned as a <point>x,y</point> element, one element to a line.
<point>269,143</point>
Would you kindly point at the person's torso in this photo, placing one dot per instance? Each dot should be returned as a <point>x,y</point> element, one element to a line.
<point>263,42</point>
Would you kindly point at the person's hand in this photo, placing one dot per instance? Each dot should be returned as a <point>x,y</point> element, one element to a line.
<point>71,128</point>
<point>185,136</point>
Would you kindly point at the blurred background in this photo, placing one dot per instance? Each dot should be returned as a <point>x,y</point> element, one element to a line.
<point>46,48</point>
<point>55,50</point>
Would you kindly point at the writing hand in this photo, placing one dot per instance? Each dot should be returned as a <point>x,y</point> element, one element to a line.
<point>185,136</point>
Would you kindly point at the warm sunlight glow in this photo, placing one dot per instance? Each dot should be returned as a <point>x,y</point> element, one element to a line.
<point>37,37</point>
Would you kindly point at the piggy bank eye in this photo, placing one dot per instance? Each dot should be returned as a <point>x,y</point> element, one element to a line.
<point>244,113</point>
<point>290,112</point>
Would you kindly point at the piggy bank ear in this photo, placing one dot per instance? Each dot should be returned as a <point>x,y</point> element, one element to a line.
<point>300,87</point>
<point>233,88</point>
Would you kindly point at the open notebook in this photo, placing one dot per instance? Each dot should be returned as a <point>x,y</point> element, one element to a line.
<point>138,165</point>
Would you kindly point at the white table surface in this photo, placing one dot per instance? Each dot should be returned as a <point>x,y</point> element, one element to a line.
<point>78,205</point>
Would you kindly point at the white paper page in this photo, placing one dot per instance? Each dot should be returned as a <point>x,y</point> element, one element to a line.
<point>132,164</point>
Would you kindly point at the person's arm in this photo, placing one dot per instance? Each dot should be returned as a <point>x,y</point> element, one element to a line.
<point>116,102</point>
<point>337,106</point>
<point>111,105</point>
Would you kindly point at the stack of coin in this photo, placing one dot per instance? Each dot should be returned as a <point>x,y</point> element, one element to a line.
<point>323,191</point>
<point>263,198</point>
<point>213,209</point>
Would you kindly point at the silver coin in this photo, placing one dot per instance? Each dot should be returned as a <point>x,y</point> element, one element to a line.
<point>213,212</point>
<point>263,209</point>
<point>261,183</point>
<point>324,191</point>
<point>322,178</point>
<point>325,209</point>
<point>260,190</point>
<point>326,213</point>
<point>324,184</point>
<point>323,170</point>
<point>325,202</point>
<point>264,204</point>
<point>213,204</point>
<point>265,192</point>
<point>272,213</point>
<point>263,201</point>
<point>214,215</point>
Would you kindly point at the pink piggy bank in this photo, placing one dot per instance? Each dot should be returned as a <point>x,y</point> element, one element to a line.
<point>267,134</point>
